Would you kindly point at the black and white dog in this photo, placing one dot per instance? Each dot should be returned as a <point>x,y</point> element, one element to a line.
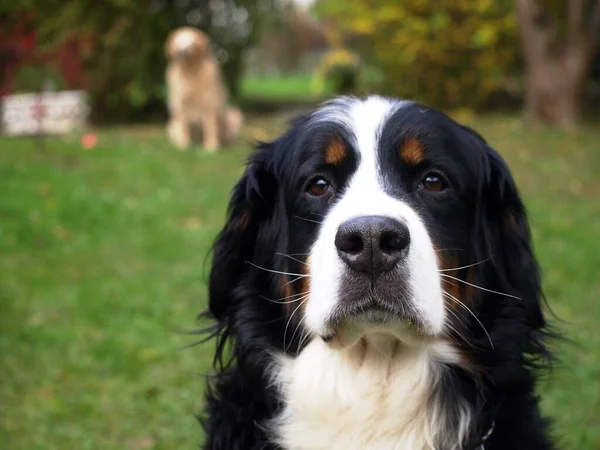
<point>375,288</point>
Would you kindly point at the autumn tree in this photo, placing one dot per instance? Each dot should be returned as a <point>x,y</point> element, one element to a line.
<point>558,50</point>
<point>452,53</point>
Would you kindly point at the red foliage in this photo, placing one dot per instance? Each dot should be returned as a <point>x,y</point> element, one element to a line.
<point>16,45</point>
<point>19,46</point>
<point>70,63</point>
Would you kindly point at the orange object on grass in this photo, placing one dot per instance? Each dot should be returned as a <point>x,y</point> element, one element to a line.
<point>89,140</point>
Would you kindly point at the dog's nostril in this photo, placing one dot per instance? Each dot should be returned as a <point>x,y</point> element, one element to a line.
<point>393,241</point>
<point>349,242</point>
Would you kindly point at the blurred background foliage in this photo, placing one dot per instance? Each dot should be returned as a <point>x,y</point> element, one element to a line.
<point>118,48</point>
<point>450,54</point>
<point>457,54</point>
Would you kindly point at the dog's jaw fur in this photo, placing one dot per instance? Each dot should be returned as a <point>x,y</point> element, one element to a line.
<point>377,394</point>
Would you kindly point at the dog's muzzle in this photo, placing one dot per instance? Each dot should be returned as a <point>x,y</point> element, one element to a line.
<point>374,284</point>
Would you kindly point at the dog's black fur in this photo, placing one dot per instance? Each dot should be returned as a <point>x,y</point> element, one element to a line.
<point>483,217</point>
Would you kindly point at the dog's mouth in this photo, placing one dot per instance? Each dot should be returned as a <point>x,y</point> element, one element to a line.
<point>351,320</point>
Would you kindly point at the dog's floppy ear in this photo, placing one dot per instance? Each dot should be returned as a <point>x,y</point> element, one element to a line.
<point>170,49</point>
<point>508,237</point>
<point>202,44</point>
<point>251,202</point>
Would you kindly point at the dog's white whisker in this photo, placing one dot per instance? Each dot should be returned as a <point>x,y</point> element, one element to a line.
<point>289,321</point>
<point>455,315</point>
<point>292,258</point>
<point>474,316</point>
<point>455,341</point>
<point>299,294</point>
<point>305,338</point>
<point>308,220</point>
<point>479,287</point>
<point>293,281</point>
<point>278,271</point>
<point>459,334</point>
<point>295,331</point>
<point>451,283</point>
<point>467,266</point>
<point>284,302</point>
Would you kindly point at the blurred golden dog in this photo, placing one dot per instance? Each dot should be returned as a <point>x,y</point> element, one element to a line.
<point>197,97</point>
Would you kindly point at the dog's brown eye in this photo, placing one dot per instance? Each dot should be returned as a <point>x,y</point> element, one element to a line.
<point>433,182</point>
<point>318,187</point>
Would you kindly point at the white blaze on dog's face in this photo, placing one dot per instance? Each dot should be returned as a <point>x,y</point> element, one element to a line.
<point>373,264</point>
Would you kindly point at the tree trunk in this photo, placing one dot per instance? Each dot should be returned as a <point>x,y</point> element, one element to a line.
<point>554,94</point>
<point>556,68</point>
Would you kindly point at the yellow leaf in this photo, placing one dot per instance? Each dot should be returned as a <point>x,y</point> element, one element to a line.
<point>363,25</point>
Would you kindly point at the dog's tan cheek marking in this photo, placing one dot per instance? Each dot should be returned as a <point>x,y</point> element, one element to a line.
<point>335,152</point>
<point>463,293</point>
<point>469,291</point>
<point>412,151</point>
<point>299,288</point>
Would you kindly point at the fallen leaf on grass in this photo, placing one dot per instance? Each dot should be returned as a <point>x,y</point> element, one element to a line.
<point>89,141</point>
<point>141,443</point>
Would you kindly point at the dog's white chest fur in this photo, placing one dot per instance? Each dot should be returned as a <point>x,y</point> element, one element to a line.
<point>375,395</point>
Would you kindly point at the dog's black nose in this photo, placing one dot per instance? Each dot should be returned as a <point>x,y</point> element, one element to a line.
<point>372,244</point>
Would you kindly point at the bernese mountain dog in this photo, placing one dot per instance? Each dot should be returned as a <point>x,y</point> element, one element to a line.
<point>375,287</point>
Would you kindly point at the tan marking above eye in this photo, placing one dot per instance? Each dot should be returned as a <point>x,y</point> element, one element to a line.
<point>412,151</point>
<point>335,152</point>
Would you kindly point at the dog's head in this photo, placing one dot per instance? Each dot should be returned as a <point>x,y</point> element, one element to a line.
<point>187,44</point>
<point>377,215</point>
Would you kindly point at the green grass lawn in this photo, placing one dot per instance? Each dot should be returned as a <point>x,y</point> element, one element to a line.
<point>102,258</point>
<point>281,88</point>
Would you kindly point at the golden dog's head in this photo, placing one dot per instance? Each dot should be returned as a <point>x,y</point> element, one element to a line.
<point>187,44</point>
